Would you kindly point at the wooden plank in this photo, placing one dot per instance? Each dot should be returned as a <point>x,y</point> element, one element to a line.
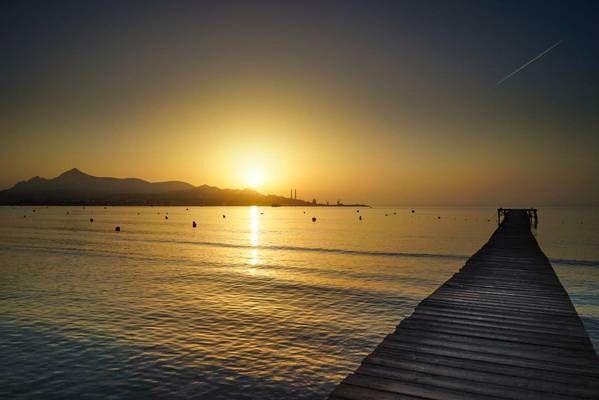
<point>462,383</point>
<point>459,363</point>
<point>503,327</point>
<point>351,392</point>
<point>565,320</point>
<point>389,347</point>
<point>506,322</point>
<point>500,320</point>
<point>495,334</point>
<point>486,374</point>
<point>496,347</point>
<point>413,389</point>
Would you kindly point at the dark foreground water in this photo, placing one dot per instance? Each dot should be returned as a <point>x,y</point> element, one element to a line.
<point>262,304</point>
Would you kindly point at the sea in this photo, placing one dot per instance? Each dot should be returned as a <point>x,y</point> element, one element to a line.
<point>252,303</point>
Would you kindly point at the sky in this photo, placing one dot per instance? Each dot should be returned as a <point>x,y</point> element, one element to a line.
<point>387,103</point>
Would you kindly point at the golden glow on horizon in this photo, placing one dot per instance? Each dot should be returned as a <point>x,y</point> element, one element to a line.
<point>254,177</point>
<point>322,143</point>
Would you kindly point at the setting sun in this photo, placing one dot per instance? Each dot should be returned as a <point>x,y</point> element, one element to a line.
<point>254,177</point>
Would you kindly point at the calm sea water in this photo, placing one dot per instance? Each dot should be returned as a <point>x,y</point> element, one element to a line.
<point>262,304</point>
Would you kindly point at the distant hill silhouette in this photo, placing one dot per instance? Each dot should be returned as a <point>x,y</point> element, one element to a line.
<point>76,187</point>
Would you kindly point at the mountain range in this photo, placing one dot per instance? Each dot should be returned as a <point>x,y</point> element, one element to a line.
<point>74,187</point>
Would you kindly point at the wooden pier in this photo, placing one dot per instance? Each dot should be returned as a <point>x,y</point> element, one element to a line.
<point>503,327</point>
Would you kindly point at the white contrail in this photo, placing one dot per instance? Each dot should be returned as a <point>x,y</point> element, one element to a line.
<point>528,63</point>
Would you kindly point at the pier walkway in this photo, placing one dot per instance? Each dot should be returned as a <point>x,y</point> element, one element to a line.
<point>503,327</point>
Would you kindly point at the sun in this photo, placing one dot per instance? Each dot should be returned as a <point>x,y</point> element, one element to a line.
<point>254,177</point>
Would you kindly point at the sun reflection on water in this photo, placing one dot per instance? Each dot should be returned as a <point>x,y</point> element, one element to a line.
<point>254,238</point>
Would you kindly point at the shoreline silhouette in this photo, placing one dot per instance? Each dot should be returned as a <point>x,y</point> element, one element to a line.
<point>76,188</point>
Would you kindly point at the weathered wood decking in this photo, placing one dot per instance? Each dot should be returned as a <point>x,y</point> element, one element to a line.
<point>503,327</point>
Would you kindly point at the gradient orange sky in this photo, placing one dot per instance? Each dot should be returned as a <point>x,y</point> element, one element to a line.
<point>383,103</point>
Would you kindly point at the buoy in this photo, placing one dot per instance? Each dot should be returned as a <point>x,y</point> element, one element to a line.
<point>224,216</point>
<point>91,220</point>
<point>187,209</point>
<point>386,215</point>
<point>193,224</point>
<point>304,212</point>
<point>360,218</point>
<point>438,217</point>
<point>413,211</point>
<point>24,216</point>
<point>394,213</point>
<point>118,229</point>
<point>357,211</point>
<point>166,217</point>
<point>313,219</point>
<point>261,213</point>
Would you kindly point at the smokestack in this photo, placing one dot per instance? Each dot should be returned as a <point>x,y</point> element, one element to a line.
<point>295,194</point>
